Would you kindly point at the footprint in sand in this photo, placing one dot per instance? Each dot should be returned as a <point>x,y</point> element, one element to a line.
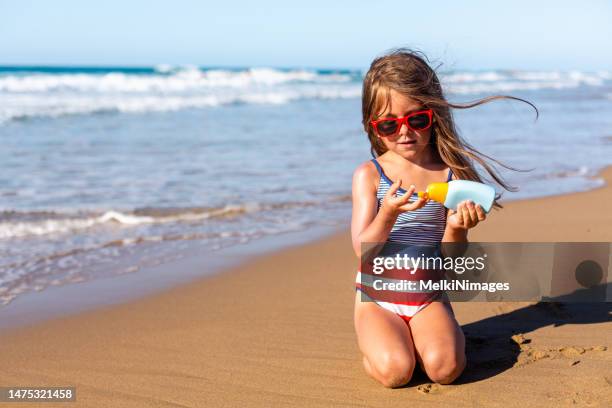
<point>571,351</point>
<point>428,388</point>
<point>531,354</point>
<point>520,339</point>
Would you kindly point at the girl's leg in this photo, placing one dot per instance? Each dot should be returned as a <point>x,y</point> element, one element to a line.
<point>439,342</point>
<point>385,341</point>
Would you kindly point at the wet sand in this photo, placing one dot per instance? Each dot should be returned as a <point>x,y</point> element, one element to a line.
<point>278,331</point>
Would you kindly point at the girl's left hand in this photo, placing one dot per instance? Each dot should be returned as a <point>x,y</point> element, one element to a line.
<point>467,216</point>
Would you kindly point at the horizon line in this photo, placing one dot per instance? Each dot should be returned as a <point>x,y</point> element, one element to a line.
<point>4,67</point>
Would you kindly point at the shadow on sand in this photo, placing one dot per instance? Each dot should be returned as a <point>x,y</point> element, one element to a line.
<point>493,345</point>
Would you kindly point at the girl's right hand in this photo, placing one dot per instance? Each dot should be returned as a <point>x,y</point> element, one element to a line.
<point>394,205</point>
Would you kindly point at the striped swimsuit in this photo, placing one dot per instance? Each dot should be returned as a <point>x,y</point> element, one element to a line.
<point>424,227</point>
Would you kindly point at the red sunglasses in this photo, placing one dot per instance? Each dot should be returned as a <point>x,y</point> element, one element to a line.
<point>420,120</point>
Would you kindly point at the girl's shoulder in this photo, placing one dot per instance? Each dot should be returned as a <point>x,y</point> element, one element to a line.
<point>367,166</point>
<point>366,175</point>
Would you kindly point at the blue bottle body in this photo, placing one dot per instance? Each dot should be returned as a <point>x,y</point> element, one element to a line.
<point>460,190</point>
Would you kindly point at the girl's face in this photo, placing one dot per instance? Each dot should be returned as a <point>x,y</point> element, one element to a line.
<point>407,143</point>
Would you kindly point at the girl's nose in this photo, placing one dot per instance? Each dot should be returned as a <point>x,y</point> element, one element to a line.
<point>403,130</point>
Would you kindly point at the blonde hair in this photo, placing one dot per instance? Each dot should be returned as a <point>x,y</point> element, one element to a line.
<point>407,72</point>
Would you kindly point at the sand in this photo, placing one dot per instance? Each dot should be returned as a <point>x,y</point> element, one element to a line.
<point>278,331</point>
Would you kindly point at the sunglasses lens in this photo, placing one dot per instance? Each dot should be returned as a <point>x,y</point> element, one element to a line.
<point>419,122</point>
<point>387,127</point>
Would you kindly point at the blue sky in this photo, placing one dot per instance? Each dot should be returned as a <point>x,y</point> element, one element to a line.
<point>328,34</point>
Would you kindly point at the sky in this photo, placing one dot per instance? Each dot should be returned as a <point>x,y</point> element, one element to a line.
<point>531,35</point>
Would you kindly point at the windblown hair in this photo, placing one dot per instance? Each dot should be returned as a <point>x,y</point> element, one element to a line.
<point>408,72</point>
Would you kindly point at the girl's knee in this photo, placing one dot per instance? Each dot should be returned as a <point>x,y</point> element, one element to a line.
<point>442,366</point>
<point>393,369</point>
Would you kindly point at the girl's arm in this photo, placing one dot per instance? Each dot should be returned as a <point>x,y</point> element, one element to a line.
<point>457,225</point>
<point>368,226</point>
<point>467,216</point>
<point>452,234</point>
<point>459,222</point>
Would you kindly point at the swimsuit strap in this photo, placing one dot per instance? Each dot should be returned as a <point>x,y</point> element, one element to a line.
<point>450,174</point>
<point>380,170</point>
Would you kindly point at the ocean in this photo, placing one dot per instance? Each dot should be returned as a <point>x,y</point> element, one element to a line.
<point>106,171</point>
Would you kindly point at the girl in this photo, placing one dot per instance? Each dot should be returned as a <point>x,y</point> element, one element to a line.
<point>412,133</point>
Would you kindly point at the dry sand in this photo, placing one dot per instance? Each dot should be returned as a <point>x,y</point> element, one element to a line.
<point>278,331</point>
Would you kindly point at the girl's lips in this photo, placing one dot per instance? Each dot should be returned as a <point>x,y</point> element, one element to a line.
<point>408,142</point>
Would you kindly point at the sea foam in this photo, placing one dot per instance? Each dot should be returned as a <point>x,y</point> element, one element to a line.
<point>165,88</point>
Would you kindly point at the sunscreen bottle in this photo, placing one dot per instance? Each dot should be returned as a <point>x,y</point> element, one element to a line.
<point>452,193</point>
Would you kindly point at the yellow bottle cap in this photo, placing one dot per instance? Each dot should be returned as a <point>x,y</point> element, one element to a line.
<point>437,192</point>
